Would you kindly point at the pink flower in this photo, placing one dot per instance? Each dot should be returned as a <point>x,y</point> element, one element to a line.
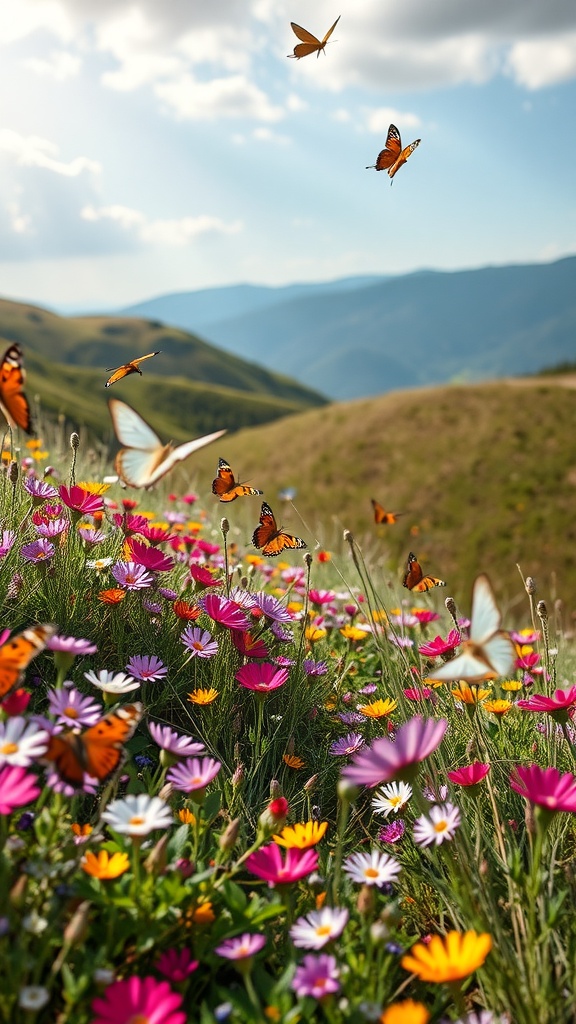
<point>438,646</point>
<point>470,774</point>
<point>384,760</point>
<point>149,557</point>
<point>527,661</point>
<point>241,947</point>
<point>17,788</point>
<point>203,577</point>
<point>16,702</point>
<point>193,775</point>
<point>545,787</point>
<point>261,676</point>
<point>321,597</point>
<point>248,645</point>
<point>131,576</point>
<point>316,976</point>
<point>558,706</point>
<point>225,612</point>
<point>267,863</point>
<point>420,693</point>
<point>425,616</point>
<point>79,500</point>
<point>176,964</point>
<point>138,999</point>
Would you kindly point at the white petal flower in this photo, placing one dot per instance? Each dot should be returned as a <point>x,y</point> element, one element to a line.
<point>318,927</point>
<point>33,997</point>
<point>21,742</point>
<point>437,826</point>
<point>392,797</point>
<point>372,868</point>
<point>138,815</point>
<point>112,682</point>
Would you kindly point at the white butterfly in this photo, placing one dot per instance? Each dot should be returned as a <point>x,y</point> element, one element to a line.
<point>144,460</point>
<point>489,649</point>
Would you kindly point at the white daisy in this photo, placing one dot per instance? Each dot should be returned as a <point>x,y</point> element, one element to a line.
<point>372,868</point>
<point>438,825</point>
<point>112,682</point>
<point>138,814</point>
<point>99,563</point>
<point>392,797</point>
<point>318,927</point>
<point>21,742</point>
<point>33,997</point>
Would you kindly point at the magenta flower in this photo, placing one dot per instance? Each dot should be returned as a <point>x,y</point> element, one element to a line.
<point>527,661</point>
<point>203,577</point>
<point>130,524</point>
<point>241,947</point>
<point>316,976</point>
<point>155,534</point>
<point>436,647</point>
<point>321,597</point>
<point>171,741</point>
<point>7,542</point>
<point>261,676</point>
<point>224,612</point>
<point>558,706</point>
<point>150,557</point>
<point>138,999</point>
<point>393,832</point>
<point>266,863</point>
<point>17,788</point>
<point>199,642</point>
<point>525,636</point>
<point>176,964</point>
<point>384,760</point>
<point>425,616</point>
<point>193,775</point>
<point>545,787</point>
<point>38,551</point>
<point>146,667</point>
<point>71,645</point>
<point>249,646</point>
<point>72,708</point>
<point>470,774</point>
<point>131,576</point>
<point>417,693</point>
<point>79,500</point>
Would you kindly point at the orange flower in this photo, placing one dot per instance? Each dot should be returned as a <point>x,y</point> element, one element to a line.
<point>82,830</point>
<point>187,612</point>
<point>314,633</point>
<point>186,816</point>
<point>469,694</point>
<point>353,633</point>
<point>112,596</point>
<point>511,685</point>
<point>448,958</point>
<point>203,913</point>
<point>203,696</point>
<point>104,866</point>
<point>302,835</point>
<point>378,708</point>
<point>324,556</point>
<point>94,488</point>
<point>497,707</point>
<point>292,761</point>
<point>406,1012</point>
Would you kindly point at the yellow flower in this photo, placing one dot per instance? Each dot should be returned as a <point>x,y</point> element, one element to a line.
<point>254,560</point>
<point>378,615</point>
<point>469,694</point>
<point>353,633</point>
<point>294,607</point>
<point>103,866</point>
<point>81,830</point>
<point>272,1013</point>
<point>511,685</point>
<point>186,816</point>
<point>293,761</point>
<point>448,958</point>
<point>497,707</point>
<point>40,455</point>
<point>94,488</point>
<point>378,708</point>
<point>302,835</point>
<point>314,633</point>
<point>203,696</point>
<point>34,442</point>
<point>406,1012</point>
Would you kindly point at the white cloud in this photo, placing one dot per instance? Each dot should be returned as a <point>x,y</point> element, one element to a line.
<point>34,151</point>
<point>541,62</point>
<point>23,17</point>
<point>176,232</point>
<point>234,96</point>
<point>59,65</point>
<point>378,120</point>
<point>266,135</point>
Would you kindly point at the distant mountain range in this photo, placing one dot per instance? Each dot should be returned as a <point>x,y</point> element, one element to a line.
<point>365,336</point>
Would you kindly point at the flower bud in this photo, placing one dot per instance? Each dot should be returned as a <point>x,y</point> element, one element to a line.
<point>77,927</point>
<point>13,472</point>
<point>238,776</point>
<point>530,585</point>
<point>310,786</point>
<point>229,838</point>
<point>308,559</point>
<point>157,860</point>
<point>365,902</point>
<point>542,610</point>
<point>74,441</point>
<point>224,526</point>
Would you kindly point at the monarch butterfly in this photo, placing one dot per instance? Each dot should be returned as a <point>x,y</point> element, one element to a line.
<point>414,578</point>
<point>381,516</point>
<point>271,539</point>
<point>309,42</point>
<point>127,368</point>
<point>13,401</point>
<point>488,649</point>
<point>392,157</point>
<point>98,751</point>
<point>17,653</point>
<point>225,486</point>
<point>144,460</point>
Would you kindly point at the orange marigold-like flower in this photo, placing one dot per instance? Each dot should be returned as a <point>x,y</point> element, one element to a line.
<point>186,816</point>
<point>301,835</point>
<point>378,708</point>
<point>104,866</point>
<point>185,611</point>
<point>448,958</point>
<point>406,1012</point>
<point>112,596</point>
<point>201,696</point>
<point>81,830</point>
<point>469,694</point>
<point>353,633</point>
<point>293,761</point>
<point>497,707</point>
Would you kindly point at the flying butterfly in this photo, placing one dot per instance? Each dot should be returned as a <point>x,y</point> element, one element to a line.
<point>226,487</point>
<point>98,751</point>
<point>127,368</point>
<point>382,516</point>
<point>17,653</point>
<point>13,401</point>
<point>144,459</point>
<point>392,157</point>
<point>488,648</point>
<point>309,42</point>
<point>414,578</point>
<point>271,538</point>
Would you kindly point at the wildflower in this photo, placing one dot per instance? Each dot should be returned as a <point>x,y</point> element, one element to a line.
<point>378,708</point>
<point>112,596</point>
<point>347,745</point>
<point>272,608</point>
<point>79,500</point>
<point>52,528</point>
<point>318,927</point>
<point>469,775</point>
<point>91,536</point>
<point>385,760</point>
<point>314,668</point>
<point>266,863</point>
<point>393,832</point>
<point>149,557</point>
<point>437,647</point>
<point>392,797</point>
<point>137,815</point>
<point>171,741</point>
<point>33,997</point>
<point>186,612</point>
<point>511,685</point>
<point>72,708</point>
<point>16,702</point>
<point>17,788</point>
<point>7,542</point>
<point>417,693</point>
<point>146,667</point>
<point>199,642</point>
<point>248,645</point>
<point>38,551</point>
<point>405,1012</point>
<point>99,563</point>
<point>21,742</point>
<point>194,775</point>
<point>176,965</point>
<point>448,958</point>
<point>557,706</point>
<point>138,1000</point>
<point>469,694</point>
<point>111,682</point>
<point>71,645</point>
<point>225,612</point>
<point>315,633</point>
<point>104,866</point>
<point>497,707</point>
<point>203,577</point>
<point>261,676</point>
<point>81,832</point>
<point>293,761</point>
<point>372,868</point>
<point>353,633</point>
<point>38,490</point>
<point>203,696</point>
<point>316,976</point>
<point>437,826</point>
<point>241,947</point>
<point>545,787</point>
<point>131,576</point>
<point>302,835</point>
<point>525,636</point>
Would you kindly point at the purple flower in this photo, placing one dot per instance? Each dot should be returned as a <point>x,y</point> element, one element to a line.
<point>8,538</point>
<point>38,551</point>
<point>393,832</point>
<point>38,490</point>
<point>384,760</point>
<point>347,745</point>
<point>71,645</point>
<point>284,635</point>
<point>241,947</point>
<point>72,708</point>
<point>316,976</point>
<point>91,536</point>
<point>146,667</point>
<point>199,642</point>
<point>314,668</point>
<point>224,612</point>
<point>272,608</point>
<point>52,528</point>
<point>194,774</point>
<point>351,717</point>
<point>132,576</point>
<point>176,965</point>
<point>171,741</point>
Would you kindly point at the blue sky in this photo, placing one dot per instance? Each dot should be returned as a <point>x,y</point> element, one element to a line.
<point>167,145</point>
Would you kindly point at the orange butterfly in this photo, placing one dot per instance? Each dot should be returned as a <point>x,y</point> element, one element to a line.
<point>392,157</point>
<point>414,578</point>
<point>309,42</point>
<point>13,401</point>
<point>225,485</point>
<point>127,368</point>
<point>17,653</point>
<point>98,751</point>
<point>381,516</point>
<point>270,538</point>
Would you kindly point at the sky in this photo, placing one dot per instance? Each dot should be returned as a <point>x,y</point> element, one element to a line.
<point>158,146</point>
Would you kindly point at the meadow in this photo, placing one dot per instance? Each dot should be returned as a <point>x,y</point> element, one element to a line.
<point>231,786</point>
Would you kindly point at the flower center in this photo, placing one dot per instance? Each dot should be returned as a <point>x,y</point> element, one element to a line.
<point>323,929</point>
<point>9,748</point>
<point>71,712</point>
<point>139,1018</point>
<point>441,826</point>
<point>130,577</point>
<point>371,873</point>
<point>197,645</point>
<point>137,820</point>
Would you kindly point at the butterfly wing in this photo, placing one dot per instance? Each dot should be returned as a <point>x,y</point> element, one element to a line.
<point>403,157</point>
<point>485,618</point>
<point>225,486</point>
<point>469,665</point>
<point>330,31</point>
<point>269,538</point>
<point>381,515</point>
<point>17,653</point>
<point>131,430</point>
<point>304,34</point>
<point>414,578</point>
<point>136,362</point>
<point>13,401</point>
<point>174,455</point>
<point>281,541</point>
<point>98,751</point>
<point>391,151</point>
<point>119,373</point>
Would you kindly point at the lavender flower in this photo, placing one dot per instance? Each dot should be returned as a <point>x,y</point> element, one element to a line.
<point>132,576</point>
<point>38,551</point>
<point>146,667</point>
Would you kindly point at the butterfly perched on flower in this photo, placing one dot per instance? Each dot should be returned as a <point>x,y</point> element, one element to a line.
<point>98,751</point>
<point>271,538</point>
<point>381,515</point>
<point>225,486</point>
<point>488,648</point>
<point>309,42</point>
<point>127,368</point>
<point>13,401</point>
<point>144,460</point>
<point>414,578</point>
<point>17,653</point>
<point>392,157</point>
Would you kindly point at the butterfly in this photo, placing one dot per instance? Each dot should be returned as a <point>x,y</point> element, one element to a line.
<point>381,516</point>
<point>98,751</point>
<point>17,653</point>
<point>13,401</point>
<point>127,368</point>
<point>225,485</point>
<point>309,42</point>
<point>414,578</point>
<point>393,156</point>
<point>144,460</point>
<point>488,649</point>
<point>271,539</point>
